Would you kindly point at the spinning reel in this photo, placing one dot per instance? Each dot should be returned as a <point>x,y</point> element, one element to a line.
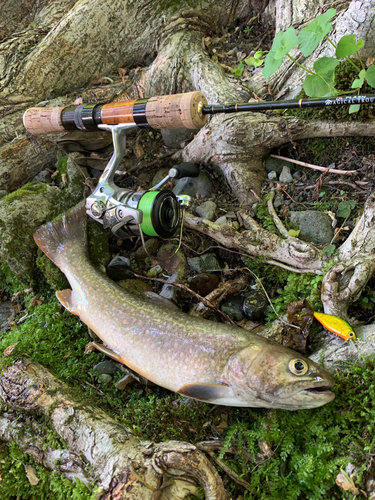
<point>134,213</point>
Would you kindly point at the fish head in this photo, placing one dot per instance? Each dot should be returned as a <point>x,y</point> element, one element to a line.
<point>278,377</point>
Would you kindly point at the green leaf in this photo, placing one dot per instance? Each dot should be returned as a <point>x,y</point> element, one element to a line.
<point>323,83</point>
<point>347,46</point>
<point>251,61</point>
<point>258,54</point>
<point>358,82</point>
<point>294,232</point>
<point>329,250</point>
<point>370,76</point>
<point>238,71</point>
<point>283,42</point>
<point>344,208</point>
<point>310,37</point>
<point>321,194</point>
<point>354,108</point>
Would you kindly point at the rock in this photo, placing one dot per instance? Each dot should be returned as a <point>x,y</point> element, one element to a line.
<point>104,378</point>
<point>285,176</point>
<point>194,185</point>
<point>124,382</point>
<point>24,210</point>
<point>233,307</point>
<point>298,174</point>
<point>176,265</point>
<point>254,304</point>
<point>272,175</point>
<point>173,137</point>
<point>6,312</point>
<point>315,226</point>
<point>43,176</point>
<point>221,220</point>
<point>105,367</point>
<point>119,269</point>
<point>206,210</point>
<point>205,263</point>
<point>152,245</point>
<point>136,287</point>
<point>3,193</point>
<point>159,176</point>
<point>278,201</point>
<point>274,164</point>
<point>204,283</point>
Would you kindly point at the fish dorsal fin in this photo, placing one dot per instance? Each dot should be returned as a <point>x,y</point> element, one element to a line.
<point>205,391</point>
<point>66,299</point>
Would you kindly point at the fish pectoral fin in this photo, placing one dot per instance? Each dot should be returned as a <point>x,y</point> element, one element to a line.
<point>66,299</point>
<point>205,391</point>
<point>102,348</point>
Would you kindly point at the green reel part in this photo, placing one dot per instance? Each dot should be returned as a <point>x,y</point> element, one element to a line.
<point>161,213</point>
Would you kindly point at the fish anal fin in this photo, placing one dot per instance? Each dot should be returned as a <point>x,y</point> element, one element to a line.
<point>65,298</point>
<point>105,350</point>
<point>205,391</point>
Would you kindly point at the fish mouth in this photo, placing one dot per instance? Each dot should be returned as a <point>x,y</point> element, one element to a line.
<point>321,391</point>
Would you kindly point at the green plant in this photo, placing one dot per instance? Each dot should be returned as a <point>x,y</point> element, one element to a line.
<point>320,81</point>
<point>256,60</point>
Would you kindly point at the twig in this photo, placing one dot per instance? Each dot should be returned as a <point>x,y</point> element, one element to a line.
<point>230,473</point>
<point>206,302</point>
<point>316,167</point>
<point>280,226</point>
<point>350,184</point>
<point>293,200</point>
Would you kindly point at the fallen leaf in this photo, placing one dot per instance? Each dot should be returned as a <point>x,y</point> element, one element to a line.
<point>8,351</point>
<point>17,308</point>
<point>346,483</point>
<point>55,173</point>
<point>31,475</point>
<point>370,61</point>
<point>64,179</point>
<point>138,151</point>
<point>35,302</point>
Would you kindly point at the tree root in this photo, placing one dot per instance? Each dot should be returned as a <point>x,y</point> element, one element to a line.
<point>121,463</point>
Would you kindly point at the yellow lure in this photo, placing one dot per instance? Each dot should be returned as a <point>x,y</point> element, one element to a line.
<point>336,325</point>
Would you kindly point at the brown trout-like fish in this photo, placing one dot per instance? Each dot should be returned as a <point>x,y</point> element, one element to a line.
<point>198,358</point>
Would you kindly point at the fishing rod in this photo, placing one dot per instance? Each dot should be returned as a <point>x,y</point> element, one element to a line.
<point>152,212</point>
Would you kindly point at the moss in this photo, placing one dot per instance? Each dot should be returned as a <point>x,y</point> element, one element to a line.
<point>8,280</point>
<point>98,243</point>
<point>14,482</point>
<point>28,189</point>
<point>264,216</point>
<point>54,277</point>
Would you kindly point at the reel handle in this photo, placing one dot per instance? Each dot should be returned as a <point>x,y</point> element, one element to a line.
<point>185,169</point>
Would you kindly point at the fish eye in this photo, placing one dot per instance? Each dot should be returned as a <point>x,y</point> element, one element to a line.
<point>351,334</point>
<point>298,366</point>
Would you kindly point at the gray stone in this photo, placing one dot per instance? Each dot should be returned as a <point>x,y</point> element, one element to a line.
<point>104,378</point>
<point>173,137</point>
<point>105,367</point>
<point>124,382</point>
<point>43,176</point>
<point>205,263</point>
<point>231,215</point>
<point>221,220</point>
<point>119,269</point>
<point>297,175</point>
<point>159,176</point>
<point>206,210</point>
<point>274,164</point>
<point>285,176</point>
<point>332,165</point>
<point>152,245</point>
<point>278,201</point>
<point>272,175</point>
<point>254,304</point>
<point>3,193</point>
<point>233,307</point>
<point>315,226</point>
<point>194,185</point>
<point>6,312</point>
<point>170,292</point>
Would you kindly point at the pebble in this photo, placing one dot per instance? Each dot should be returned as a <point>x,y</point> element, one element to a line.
<point>221,220</point>
<point>278,201</point>
<point>3,193</point>
<point>206,210</point>
<point>254,305</point>
<point>205,263</point>
<point>314,226</point>
<point>285,176</point>
<point>152,245</point>
<point>124,382</point>
<point>272,175</point>
<point>194,185</point>
<point>204,283</point>
<point>233,307</point>
<point>297,175</point>
<point>274,164</point>
<point>105,367</point>
<point>104,378</point>
<point>119,269</point>
<point>43,176</point>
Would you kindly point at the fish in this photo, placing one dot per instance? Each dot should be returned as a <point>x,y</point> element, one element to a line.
<point>198,358</point>
<point>336,325</point>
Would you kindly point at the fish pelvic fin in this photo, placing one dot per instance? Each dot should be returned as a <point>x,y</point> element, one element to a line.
<point>66,232</point>
<point>205,391</point>
<point>66,299</point>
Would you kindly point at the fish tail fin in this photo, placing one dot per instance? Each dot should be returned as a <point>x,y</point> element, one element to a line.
<point>65,235</point>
